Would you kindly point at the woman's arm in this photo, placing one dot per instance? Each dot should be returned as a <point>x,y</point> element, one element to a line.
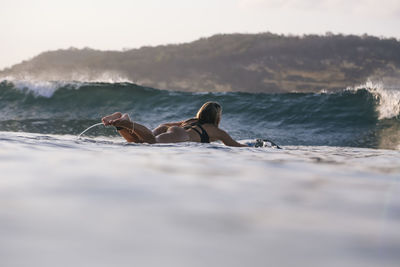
<point>228,140</point>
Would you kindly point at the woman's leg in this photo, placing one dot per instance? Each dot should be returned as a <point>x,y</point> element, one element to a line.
<point>144,133</point>
<point>174,134</point>
<point>107,119</point>
<point>136,129</point>
<point>125,133</point>
<point>141,133</point>
<point>130,136</point>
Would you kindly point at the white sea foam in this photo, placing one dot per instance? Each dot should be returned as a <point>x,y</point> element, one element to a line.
<point>387,97</point>
<point>42,88</point>
<point>47,86</point>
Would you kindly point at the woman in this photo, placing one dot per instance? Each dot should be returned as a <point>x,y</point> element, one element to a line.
<point>203,128</point>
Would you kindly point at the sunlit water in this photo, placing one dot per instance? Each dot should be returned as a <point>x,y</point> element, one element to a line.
<point>102,202</point>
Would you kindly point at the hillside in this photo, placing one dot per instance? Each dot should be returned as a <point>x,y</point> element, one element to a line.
<point>263,62</point>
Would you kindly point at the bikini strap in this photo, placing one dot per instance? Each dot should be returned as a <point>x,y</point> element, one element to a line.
<point>203,135</point>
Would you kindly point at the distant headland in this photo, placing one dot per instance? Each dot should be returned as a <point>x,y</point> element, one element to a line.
<point>263,62</point>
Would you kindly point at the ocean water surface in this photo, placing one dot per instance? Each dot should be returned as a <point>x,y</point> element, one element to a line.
<point>329,197</point>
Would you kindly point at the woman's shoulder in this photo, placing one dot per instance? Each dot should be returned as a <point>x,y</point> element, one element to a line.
<point>189,121</point>
<point>212,129</point>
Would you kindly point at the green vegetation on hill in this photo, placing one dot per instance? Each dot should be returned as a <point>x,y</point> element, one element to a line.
<point>263,62</point>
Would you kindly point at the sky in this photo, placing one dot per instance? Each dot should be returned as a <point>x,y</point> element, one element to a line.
<point>28,28</point>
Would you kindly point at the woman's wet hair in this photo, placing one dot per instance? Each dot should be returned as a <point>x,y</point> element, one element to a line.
<point>210,112</point>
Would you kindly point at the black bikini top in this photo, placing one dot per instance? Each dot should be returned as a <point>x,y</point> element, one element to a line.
<point>204,138</point>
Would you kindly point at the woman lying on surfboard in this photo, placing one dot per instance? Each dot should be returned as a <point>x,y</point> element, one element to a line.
<point>203,128</point>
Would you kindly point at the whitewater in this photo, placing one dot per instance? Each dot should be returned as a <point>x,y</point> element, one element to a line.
<point>329,197</point>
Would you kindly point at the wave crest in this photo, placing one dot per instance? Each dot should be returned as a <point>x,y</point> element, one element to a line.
<point>388,98</point>
<point>46,86</point>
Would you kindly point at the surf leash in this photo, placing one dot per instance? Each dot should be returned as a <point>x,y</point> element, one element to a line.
<point>94,125</point>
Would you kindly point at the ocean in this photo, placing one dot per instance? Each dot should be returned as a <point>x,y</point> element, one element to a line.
<point>329,197</point>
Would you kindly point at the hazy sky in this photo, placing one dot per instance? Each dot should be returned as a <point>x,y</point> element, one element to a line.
<point>28,27</point>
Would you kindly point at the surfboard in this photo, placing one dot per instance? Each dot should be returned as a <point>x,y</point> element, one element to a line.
<point>263,143</point>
